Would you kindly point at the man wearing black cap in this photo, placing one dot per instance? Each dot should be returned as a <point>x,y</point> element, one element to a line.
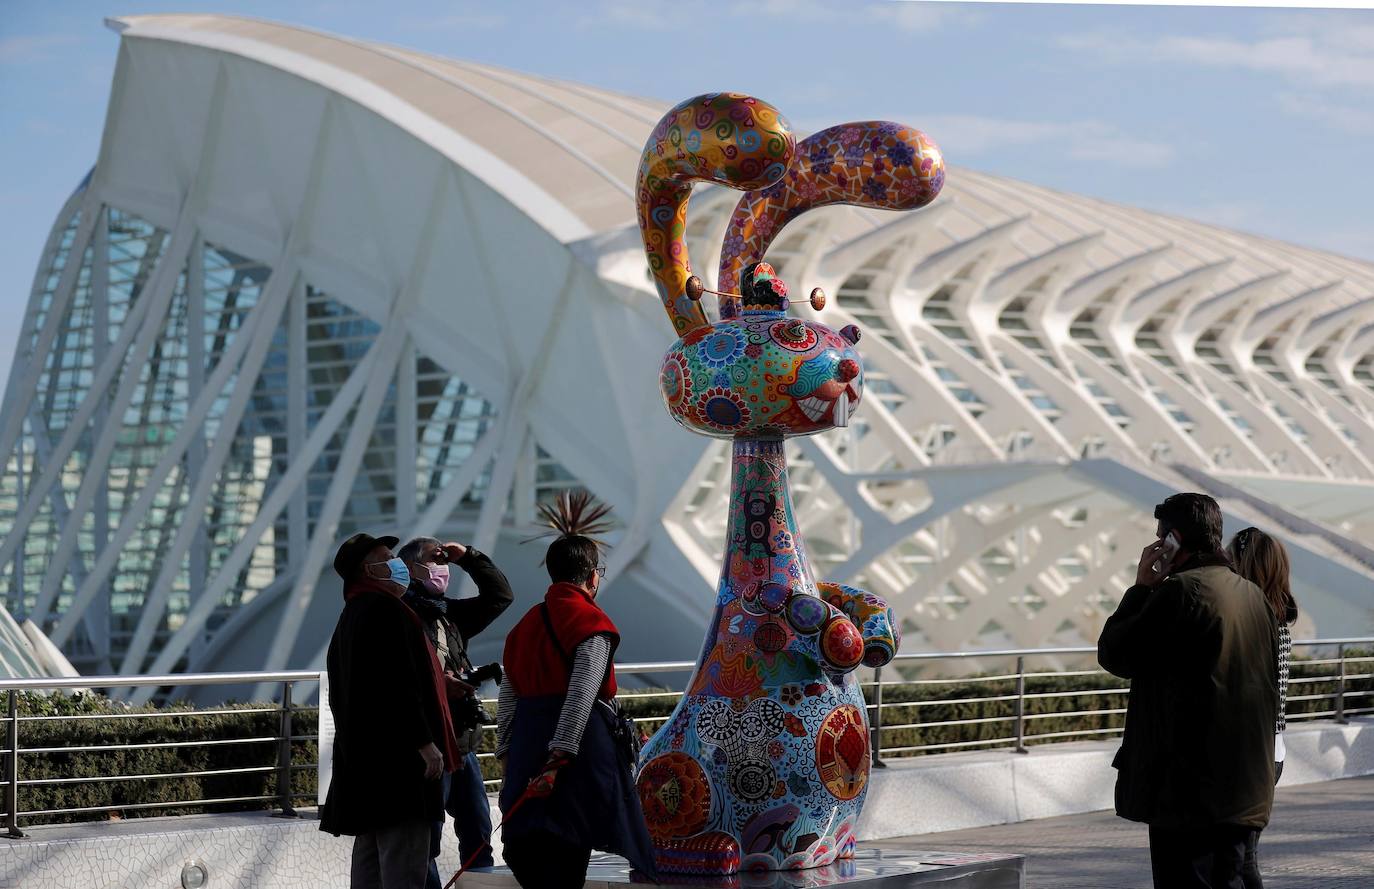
<point>394,735</point>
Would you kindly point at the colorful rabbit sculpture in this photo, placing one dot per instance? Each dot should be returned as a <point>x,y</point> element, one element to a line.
<point>764,763</point>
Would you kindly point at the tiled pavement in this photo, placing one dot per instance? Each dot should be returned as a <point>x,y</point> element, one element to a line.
<point>1321,837</point>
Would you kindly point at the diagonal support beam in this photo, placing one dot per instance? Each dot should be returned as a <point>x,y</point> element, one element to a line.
<point>389,347</point>
<point>139,330</point>
<point>28,365</point>
<point>157,298</point>
<point>233,563</point>
<point>255,338</point>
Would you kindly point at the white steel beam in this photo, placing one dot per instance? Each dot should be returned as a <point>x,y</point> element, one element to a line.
<point>158,295</point>
<point>389,347</point>
<point>233,563</point>
<point>255,339</point>
<point>297,522</point>
<point>19,389</point>
<point>515,429</point>
<point>23,385</point>
<point>156,299</point>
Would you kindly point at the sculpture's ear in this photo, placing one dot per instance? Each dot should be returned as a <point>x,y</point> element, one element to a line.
<point>872,163</point>
<point>733,139</point>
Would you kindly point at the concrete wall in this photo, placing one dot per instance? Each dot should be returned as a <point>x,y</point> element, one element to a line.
<point>935,793</point>
<point>911,796</point>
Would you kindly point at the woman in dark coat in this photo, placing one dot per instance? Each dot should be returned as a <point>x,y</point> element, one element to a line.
<point>560,734</point>
<point>1263,560</point>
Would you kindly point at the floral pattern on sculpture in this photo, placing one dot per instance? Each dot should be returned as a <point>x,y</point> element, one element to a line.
<point>764,762</point>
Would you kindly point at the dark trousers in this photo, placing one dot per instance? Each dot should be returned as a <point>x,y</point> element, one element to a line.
<point>465,798</point>
<point>541,860</point>
<point>1198,857</point>
<point>1250,872</point>
<point>391,858</point>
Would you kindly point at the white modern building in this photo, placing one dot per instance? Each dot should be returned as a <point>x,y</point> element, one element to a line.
<point>316,285</point>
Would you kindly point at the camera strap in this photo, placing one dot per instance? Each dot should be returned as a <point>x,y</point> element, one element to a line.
<point>553,637</point>
<point>563,652</point>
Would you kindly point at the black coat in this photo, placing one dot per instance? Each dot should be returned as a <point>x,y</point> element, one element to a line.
<point>385,709</point>
<point>1201,651</point>
<point>464,618</point>
<point>594,804</point>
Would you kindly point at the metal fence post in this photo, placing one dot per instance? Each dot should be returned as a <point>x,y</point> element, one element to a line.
<point>12,773</point>
<point>284,756</point>
<point>1021,704</point>
<point>875,725</point>
<point>1340,685</point>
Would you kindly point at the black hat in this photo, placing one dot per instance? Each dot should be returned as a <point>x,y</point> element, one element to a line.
<point>355,548</point>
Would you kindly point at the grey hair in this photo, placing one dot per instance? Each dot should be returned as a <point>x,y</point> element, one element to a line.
<point>411,551</point>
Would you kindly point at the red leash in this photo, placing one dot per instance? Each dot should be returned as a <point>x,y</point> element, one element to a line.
<point>482,848</point>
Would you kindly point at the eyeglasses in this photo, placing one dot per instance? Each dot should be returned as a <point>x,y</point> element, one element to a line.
<point>600,569</point>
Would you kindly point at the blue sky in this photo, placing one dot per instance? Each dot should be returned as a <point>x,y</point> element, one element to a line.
<point>1257,119</point>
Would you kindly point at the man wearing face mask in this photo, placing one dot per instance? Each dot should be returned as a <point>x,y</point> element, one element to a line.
<point>393,733</point>
<point>450,624</point>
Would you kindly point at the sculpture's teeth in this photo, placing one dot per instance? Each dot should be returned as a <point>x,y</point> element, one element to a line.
<point>842,410</point>
<point>813,407</point>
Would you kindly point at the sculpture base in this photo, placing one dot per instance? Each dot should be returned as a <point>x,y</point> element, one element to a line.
<point>869,869</point>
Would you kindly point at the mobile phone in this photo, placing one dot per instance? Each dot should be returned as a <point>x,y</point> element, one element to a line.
<point>1167,551</point>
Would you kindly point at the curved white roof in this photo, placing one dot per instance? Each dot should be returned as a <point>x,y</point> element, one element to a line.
<point>581,146</point>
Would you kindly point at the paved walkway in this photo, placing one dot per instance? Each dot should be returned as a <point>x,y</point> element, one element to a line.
<point>1321,837</point>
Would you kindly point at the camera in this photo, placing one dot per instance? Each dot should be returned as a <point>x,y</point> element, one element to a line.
<point>490,673</point>
<point>468,712</point>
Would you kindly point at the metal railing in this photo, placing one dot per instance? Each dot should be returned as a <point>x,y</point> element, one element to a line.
<point>283,799</point>
<point>1005,700</point>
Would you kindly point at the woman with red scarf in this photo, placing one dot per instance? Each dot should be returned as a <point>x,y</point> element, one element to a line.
<point>561,738</point>
<point>394,735</point>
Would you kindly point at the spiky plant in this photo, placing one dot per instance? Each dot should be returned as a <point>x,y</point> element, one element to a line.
<point>574,512</point>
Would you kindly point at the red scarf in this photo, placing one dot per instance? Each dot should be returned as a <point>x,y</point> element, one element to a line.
<point>449,744</point>
<point>533,662</point>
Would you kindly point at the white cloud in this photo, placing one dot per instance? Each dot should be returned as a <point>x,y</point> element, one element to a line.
<point>915,16</point>
<point>912,16</point>
<point>961,135</point>
<point>27,48</point>
<point>642,16</point>
<point>1323,56</point>
<point>462,18</point>
<point>1334,114</point>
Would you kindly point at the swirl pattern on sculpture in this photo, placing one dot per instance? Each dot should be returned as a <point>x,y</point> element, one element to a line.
<point>764,763</point>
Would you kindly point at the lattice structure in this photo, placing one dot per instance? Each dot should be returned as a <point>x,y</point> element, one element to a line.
<point>314,283</point>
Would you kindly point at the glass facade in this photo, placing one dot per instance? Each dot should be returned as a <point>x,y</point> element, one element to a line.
<point>212,297</point>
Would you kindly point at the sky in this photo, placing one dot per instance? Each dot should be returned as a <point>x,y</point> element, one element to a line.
<point>1254,119</point>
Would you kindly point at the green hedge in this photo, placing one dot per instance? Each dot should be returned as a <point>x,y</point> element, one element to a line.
<point>923,705</point>
<point>134,797</point>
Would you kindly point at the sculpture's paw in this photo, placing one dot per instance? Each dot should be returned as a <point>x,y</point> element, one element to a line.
<point>707,853</point>
<point>871,615</point>
<point>827,630</point>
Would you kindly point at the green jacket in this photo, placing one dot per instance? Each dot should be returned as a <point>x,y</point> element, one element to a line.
<point>1201,651</point>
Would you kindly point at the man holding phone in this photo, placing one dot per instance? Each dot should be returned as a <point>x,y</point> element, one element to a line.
<point>1199,645</point>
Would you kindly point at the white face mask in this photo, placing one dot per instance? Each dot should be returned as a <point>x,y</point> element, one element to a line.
<point>432,577</point>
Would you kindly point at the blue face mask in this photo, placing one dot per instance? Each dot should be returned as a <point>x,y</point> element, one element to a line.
<point>400,574</point>
<point>392,569</point>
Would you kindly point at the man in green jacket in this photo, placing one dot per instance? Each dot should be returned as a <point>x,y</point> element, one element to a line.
<point>1201,649</point>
